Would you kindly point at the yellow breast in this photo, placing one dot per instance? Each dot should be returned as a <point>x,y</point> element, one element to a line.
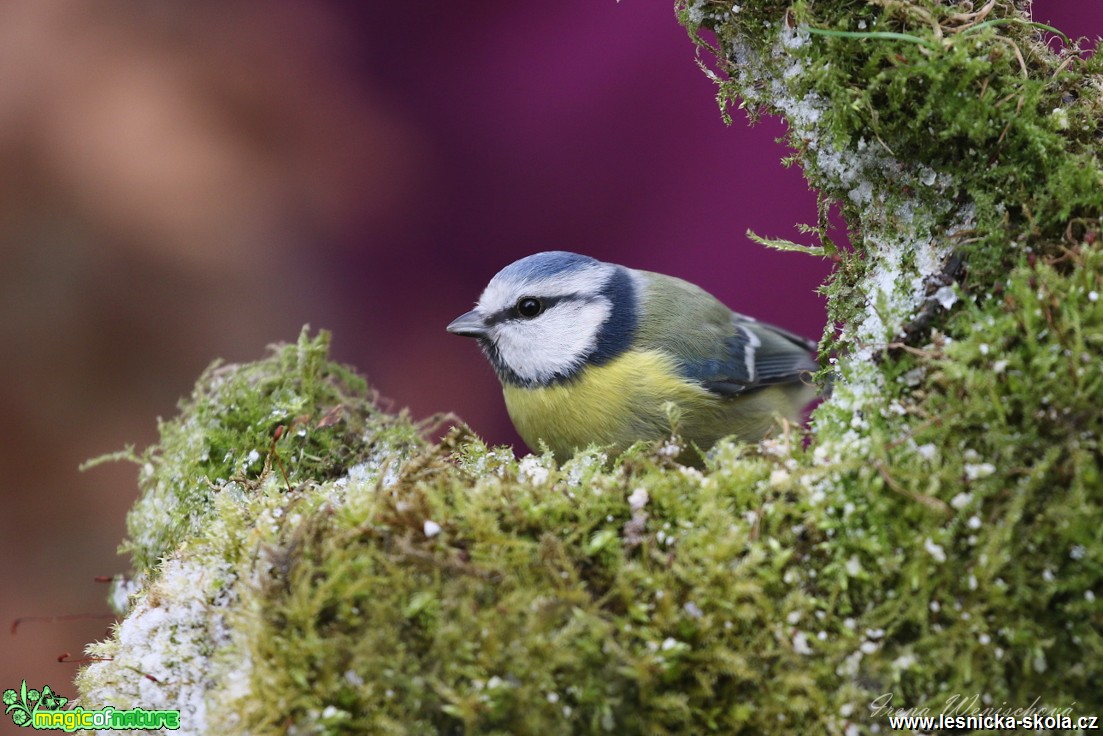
<point>615,404</point>
<point>633,398</point>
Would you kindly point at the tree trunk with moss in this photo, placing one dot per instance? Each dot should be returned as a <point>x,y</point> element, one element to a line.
<point>937,547</point>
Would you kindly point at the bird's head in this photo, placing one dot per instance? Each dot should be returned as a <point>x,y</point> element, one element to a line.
<point>543,318</point>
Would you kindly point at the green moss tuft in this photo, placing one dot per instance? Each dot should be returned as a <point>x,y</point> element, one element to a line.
<point>544,605</point>
<point>294,412</point>
<point>978,504</point>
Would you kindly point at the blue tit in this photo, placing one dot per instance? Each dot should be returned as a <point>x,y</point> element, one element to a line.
<point>595,353</point>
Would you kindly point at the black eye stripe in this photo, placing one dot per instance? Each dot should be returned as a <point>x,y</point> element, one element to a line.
<point>510,313</point>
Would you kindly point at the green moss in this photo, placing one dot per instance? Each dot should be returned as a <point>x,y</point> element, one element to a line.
<point>294,413</point>
<point>999,126</point>
<point>543,606</point>
<point>980,507</point>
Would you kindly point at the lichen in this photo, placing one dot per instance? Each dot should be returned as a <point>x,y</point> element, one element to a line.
<point>934,541</point>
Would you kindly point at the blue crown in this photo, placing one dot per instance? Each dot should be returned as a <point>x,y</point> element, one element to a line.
<point>546,264</point>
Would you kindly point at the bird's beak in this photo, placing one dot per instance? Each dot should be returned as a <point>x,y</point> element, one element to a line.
<point>468,325</point>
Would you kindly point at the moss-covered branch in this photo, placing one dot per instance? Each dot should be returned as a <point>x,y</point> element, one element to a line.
<point>936,544</point>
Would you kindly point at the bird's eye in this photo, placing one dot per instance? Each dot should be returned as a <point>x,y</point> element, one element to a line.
<point>529,306</point>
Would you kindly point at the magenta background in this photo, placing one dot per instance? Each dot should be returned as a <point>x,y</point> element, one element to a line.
<point>365,170</point>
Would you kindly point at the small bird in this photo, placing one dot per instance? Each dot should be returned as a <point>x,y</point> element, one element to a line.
<point>595,353</point>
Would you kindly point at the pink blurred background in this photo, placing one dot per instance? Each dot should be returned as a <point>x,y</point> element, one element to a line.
<point>186,181</point>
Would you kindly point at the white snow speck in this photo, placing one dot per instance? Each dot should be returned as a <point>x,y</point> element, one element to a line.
<point>934,550</point>
<point>973,471</point>
<point>1060,118</point>
<point>532,469</point>
<point>961,500</point>
<point>946,296</point>
<point>800,643</point>
<point>904,662</point>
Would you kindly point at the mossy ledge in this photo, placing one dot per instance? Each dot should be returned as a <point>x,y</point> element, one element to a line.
<point>936,545</point>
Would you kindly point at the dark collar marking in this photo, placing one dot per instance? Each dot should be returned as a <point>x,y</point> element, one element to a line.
<point>619,330</point>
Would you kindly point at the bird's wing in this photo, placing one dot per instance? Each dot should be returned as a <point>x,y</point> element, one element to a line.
<point>725,352</point>
<point>757,354</point>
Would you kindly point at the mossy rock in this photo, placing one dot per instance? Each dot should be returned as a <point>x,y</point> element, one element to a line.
<point>451,588</point>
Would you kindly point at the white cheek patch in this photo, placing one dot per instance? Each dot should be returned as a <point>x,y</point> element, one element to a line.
<point>554,344</point>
